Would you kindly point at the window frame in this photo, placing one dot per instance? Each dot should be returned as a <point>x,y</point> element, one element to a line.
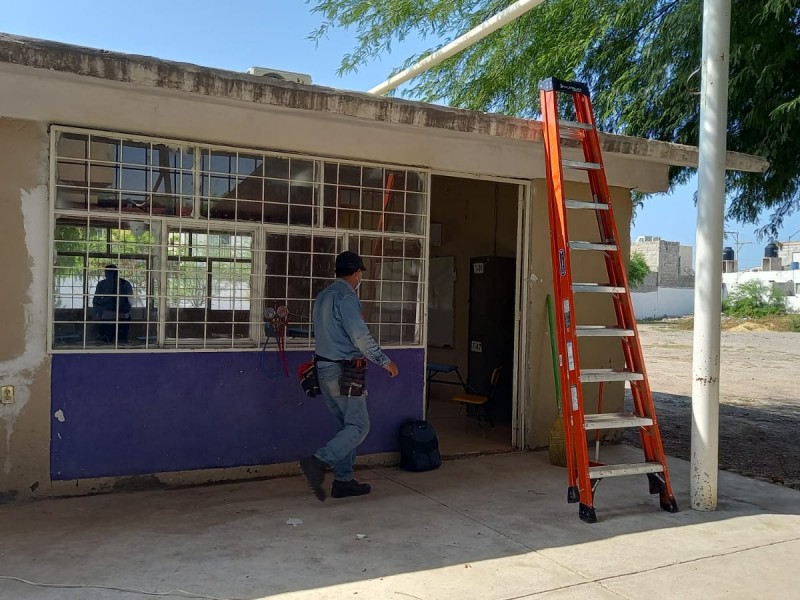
<point>198,222</point>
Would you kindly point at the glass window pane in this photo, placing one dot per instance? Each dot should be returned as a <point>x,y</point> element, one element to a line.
<point>411,335</point>
<point>298,287</point>
<point>415,182</point>
<point>303,170</point>
<point>133,179</point>
<point>301,215</point>
<point>103,149</point>
<point>102,176</point>
<point>135,153</point>
<point>72,145</point>
<point>73,199</point>
<point>251,165</point>
<point>276,191</point>
<point>396,180</point>
<point>251,188</point>
<point>300,243</point>
<point>389,335</point>
<point>372,177</point>
<point>72,173</point>
<point>331,172</point>
<point>218,161</point>
<point>372,200</point>
<point>277,167</point>
<point>350,175</point>
<point>300,265</point>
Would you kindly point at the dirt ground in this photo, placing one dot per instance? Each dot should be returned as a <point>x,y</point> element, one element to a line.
<point>759,399</point>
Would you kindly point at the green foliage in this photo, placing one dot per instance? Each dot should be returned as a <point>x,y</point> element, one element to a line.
<point>793,323</point>
<point>640,58</point>
<point>754,299</point>
<point>638,270</point>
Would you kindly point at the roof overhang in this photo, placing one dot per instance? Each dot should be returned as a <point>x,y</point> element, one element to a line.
<point>182,78</point>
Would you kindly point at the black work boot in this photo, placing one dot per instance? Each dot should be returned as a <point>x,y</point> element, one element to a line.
<point>314,470</point>
<point>343,489</point>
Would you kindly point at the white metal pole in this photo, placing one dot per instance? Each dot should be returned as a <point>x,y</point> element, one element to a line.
<point>457,45</point>
<point>708,278</point>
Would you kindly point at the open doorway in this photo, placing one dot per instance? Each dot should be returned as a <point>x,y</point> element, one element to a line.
<point>471,334</point>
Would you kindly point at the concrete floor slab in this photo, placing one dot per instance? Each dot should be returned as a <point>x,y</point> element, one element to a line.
<point>490,527</point>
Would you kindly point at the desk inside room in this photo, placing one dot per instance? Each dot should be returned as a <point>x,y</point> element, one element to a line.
<point>442,373</point>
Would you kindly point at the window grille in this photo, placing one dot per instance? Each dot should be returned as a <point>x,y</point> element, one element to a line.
<point>208,238</point>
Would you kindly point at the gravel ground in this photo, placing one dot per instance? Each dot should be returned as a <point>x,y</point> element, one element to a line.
<point>759,399</point>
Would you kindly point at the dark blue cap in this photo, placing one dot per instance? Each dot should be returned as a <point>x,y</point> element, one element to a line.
<point>348,263</point>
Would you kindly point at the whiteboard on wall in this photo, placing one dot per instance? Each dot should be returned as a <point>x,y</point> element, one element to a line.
<point>441,315</point>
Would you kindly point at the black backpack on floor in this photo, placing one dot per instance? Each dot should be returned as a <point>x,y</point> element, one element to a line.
<point>419,447</point>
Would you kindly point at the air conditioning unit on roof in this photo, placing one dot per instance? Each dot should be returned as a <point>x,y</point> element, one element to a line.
<point>283,75</point>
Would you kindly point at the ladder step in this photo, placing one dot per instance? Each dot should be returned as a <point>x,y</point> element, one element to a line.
<point>615,421</point>
<point>602,331</point>
<point>589,288</point>
<point>592,246</point>
<point>581,165</point>
<point>572,130</point>
<point>581,204</point>
<point>625,469</point>
<point>594,375</point>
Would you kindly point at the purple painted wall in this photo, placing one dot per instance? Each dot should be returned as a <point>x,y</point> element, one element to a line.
<point>134,414</point>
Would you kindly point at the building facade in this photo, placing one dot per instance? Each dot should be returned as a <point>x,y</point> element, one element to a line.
<point>221,198</point>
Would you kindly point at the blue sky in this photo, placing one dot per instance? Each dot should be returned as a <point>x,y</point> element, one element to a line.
<point>236,35</point>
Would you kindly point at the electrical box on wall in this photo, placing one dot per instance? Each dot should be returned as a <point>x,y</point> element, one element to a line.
<point>7,394</point>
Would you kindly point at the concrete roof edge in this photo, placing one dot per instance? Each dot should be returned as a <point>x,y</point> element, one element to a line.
<point>184,77</point>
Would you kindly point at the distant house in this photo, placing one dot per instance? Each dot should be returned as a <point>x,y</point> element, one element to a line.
<point>668,290</point>
<point>780,270</point>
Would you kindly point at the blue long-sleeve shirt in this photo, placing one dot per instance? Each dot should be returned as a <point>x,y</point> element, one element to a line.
<point>339,328</point>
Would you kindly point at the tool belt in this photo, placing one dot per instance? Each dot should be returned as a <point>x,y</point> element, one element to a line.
<point>352,381</point>
<point>307,374</point>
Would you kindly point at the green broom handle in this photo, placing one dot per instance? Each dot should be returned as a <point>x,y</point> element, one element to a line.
<point>553,350</point>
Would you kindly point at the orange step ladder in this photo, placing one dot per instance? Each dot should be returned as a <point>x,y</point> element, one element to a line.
<point>585,474</point>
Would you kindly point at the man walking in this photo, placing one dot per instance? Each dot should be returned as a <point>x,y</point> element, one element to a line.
<point>343,341</point>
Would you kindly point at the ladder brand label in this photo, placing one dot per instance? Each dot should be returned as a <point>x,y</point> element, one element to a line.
<point>573,390</point>
<point>562,262</point>
<point>567,315</point>
<point>570,357</point>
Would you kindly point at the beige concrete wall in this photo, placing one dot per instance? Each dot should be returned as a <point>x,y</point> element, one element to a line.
<point>478,218</point>
<point>24,217</point>
<point>590,310</point>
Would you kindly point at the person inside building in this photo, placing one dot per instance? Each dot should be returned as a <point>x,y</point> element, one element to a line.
<point>112,306</point>
<point>343,346</point>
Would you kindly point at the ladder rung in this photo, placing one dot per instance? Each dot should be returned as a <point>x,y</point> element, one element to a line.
<point>592,375</point>
<point>581,165</point>
<point>615,421</point>
<point>572,130</point>
<point>625,469</point>
<point>597,288</point>
<point>578,204</point>
<point>592,246</point>
<point>602,331</point>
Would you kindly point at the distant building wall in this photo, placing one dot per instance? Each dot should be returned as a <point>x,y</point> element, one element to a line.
<point>789,252</point>
<point>671,262</point>
<point>663,302</point>
<point>788,282</point>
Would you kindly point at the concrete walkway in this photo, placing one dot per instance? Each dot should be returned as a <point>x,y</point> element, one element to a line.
<point>489,528</point>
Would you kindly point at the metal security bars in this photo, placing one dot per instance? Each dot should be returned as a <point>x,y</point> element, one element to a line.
<point>203,239</point>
